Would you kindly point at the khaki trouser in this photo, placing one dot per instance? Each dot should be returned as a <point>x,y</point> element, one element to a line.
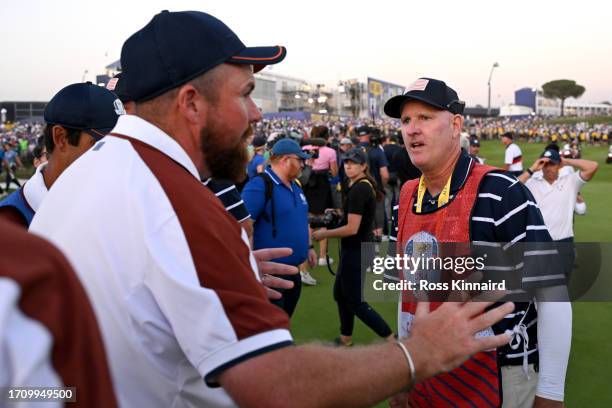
<point>519,391</point>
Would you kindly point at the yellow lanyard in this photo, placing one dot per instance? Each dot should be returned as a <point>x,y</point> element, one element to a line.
<point>442,198</point>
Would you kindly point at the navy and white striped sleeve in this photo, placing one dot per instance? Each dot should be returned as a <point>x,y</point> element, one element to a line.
<point>230,197</point>
<point>507,213</point>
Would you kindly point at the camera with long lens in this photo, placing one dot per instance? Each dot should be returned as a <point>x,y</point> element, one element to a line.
<point>328,220</point>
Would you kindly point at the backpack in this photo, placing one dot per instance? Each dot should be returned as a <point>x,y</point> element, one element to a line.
<point>268,196</point>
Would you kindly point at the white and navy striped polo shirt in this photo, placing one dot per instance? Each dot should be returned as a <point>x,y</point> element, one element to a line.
<point>505,212</point>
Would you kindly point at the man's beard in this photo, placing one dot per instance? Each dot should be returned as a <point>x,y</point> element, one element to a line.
<point>225,162</point>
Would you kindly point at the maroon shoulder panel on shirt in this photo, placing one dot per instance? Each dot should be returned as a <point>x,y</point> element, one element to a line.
<point>13,216</point>
<point>52,294</point>
<point>219,254</point>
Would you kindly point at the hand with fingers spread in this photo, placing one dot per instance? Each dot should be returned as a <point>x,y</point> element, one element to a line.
<point>445,338</point>
<point>267,269</point>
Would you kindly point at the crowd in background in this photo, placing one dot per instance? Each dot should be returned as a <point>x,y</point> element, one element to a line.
<point>24,139</point>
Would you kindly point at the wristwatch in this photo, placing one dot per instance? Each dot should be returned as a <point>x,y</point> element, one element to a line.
<point>529,171</point>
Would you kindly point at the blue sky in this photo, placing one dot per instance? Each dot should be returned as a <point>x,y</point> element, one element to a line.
<point>48,44</point>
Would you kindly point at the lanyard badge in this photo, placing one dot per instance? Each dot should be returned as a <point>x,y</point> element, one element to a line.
<point>442,198</point>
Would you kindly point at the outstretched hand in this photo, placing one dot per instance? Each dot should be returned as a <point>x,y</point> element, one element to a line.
<point>267,269</point>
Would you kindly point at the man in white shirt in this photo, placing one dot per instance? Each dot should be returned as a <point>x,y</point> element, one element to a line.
<point>513,157</point>
<point>555,186</point>
<point>169,272</point>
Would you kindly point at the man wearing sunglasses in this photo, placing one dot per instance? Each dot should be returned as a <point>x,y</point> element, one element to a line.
<point>77,117</point>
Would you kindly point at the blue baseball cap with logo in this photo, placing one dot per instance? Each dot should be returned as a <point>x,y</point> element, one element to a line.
<point>84,106</point>
<point>288,146</point>
<point>176,47</point>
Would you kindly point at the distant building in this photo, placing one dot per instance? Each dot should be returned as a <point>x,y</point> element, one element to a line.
<point>351,98</point>
<point>535,99</point>
<point>23,110</point>
<point>479,112</point>
<point>380,92</point>
<point>281,93</point>
<point>576,108</point>
<point>516,111</point>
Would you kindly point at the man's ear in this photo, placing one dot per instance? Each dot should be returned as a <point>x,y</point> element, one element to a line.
<point>60,138</point>
<point>191,105</point>
<point>457,125</point>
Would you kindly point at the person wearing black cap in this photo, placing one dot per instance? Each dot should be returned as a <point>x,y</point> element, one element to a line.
<point>357,224</point>
<point>77,116</point>
<point>459,200</point>
<point>170,275</point>
<point>475,149</point>
<point>513,156</point>
<point>378,167</point>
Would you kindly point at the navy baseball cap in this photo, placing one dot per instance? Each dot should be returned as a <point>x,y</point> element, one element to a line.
<point>176,47</point>
<point>288,146</point>
<point>363,130</point>
<point>117,85</point>
<point>552,155</point>
<point>474,142</point>
<point>355,155</point>
<point>259,141</point>
<point>85,106</point>
<point>430,91</point>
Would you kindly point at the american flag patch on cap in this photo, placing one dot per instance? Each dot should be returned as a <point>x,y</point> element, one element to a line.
<point>112,84</point>
<point>418,85</point>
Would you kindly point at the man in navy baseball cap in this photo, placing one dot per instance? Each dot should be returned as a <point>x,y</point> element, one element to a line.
<point>190,75</point>
<point>84,106</point>
<point>176,47</point>
<point>430,91</point>
<point>77,116</point>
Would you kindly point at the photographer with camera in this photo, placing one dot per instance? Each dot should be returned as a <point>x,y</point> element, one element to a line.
<point>360,200</point>
<point>370,140</point>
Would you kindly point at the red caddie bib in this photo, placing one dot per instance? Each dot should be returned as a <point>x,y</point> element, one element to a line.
<point>476,382</point>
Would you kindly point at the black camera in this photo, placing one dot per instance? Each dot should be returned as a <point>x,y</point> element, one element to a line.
<point>314,153</point>
<point>328,220</point>
<point>375,136</point>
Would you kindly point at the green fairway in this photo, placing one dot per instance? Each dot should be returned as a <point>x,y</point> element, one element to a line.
<point>588,379</point>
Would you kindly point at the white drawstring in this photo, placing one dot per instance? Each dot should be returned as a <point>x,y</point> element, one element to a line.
<point>519,333</point>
